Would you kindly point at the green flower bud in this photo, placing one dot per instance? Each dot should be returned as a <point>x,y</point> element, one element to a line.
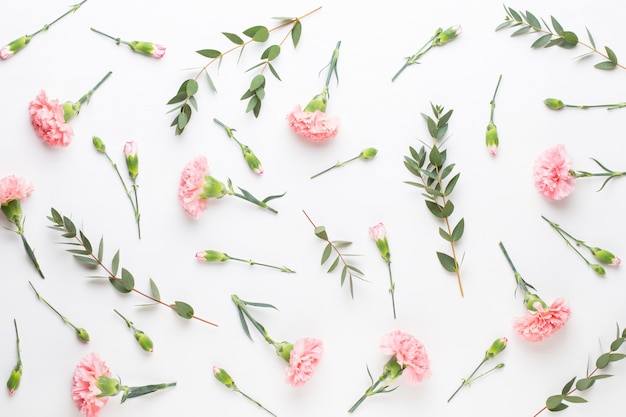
<point>212,188</point>
<point>598,269</point>
<point>15,378</point>
<point>283,349</point>
<point>318,102</point>
<point>368,153</point>
<point>108,386</point>
<point>492,138</point>
<point>606,257</point>
<point>132,161</point>
<point>447,35</point>
<point>554,103</point>
<point>14,47</point>
<point>144,341</point>
<point>251,159</point>
<point>148,48</point>
<point>496,347</point>
<point>98,144</point>
<point>12,209</point>
<point>212,256</point>
<point>82,334</point>
<point>222,376</point>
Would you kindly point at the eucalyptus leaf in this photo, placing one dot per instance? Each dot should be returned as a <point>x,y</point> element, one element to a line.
<point>521,31</point>
<point>445,235</point>
<point>115,263</point>
<point>333,265</point>
<point>447,262</point>
<point>296,32</point>
<point>458,230</point>
<point>532,20</point>
<point>326,254</point>
<point>154,290</point>
<point>183,309</point>
<point>574,399</point>
<point>568,386</point>
<point>611,55</point>
<point>602,361</point>
<point>554,401</point>
<point>128,281</point>
<point>556,25</point>
<point>542,41</point>
<point>209,53</point>
<point>584,384</point>
<point>233,38</point>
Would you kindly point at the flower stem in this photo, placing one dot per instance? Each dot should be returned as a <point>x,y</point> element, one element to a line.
<point>253,400</point>
<point>413,58</point>
<point>369,392</point>
<point>563,233</point>
<point>132,392</point>
<point>65,320</point>
<point>31,253</point>
<point>251,262</point>
<point>332,65</point>
<point>392,289</point>
<point>243,311</point>
<point>71,10</point>
<point>518,277</point>
<point>85,98</point>
<point>469,378</point>
<point>136,208</point>
<point>254,201</point>
<point>493,100</point>
<point>117,40</point>
<point>337,165</point>
<point>126,190</point>
<point>608,106</point>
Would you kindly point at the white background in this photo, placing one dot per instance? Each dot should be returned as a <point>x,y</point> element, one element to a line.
<point>496,197</point>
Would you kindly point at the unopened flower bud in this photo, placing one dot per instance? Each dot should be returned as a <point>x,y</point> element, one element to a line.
<point>252,161</point>
<point>108,386</point>
<point>148,48</point>
<point>222,376</point>
<point>132,161</point>
<point>554,103</point>
<point>82,334</point>
<point>144,341</point>
<point>10,49</point>
<point>496,347</point>
<point>15,378</point>
<point>598,269</point>
<point>606,257</point>
<point>212,188</point>
<point>98,144</point>
<point>368,153</point>
<point>447,35</point>
<point>492,139</point>
<point>212,256</point>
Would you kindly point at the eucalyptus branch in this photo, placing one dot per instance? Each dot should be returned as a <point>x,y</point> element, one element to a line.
<point>557,402</point>
<point>124,283</point>
<point>436,187</point>
<point>256,92</point>
<point>527,22</point>
<point>348,270</point>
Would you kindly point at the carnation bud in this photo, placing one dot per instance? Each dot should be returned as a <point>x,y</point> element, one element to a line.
<point>148,48</point>
<point>82,334</point>
<point>598,269</point>
<point>554,103</point>
<point>212,188</point>
<point>222,376</point>
<point>98,144</point>
<point>14,47</point>
<point>15,378</point>
<point>447,35</point>
<point>132,161</point>
<point>492,139</point>
<point>606,257</point>
<point>251,159</point>
<point>108,386</point>
<point>144,341</point>
<point>368,153</point>
<point>496,347</point>
<point>212,256</point>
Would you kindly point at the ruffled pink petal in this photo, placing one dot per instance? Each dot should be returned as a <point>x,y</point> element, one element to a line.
<point>551,172</point>
<point>538,325</point>
<point>190,188</point>
<point>315,127</point>
<point>303,360</point>
<point>84,390</point>
<point>48,120</point>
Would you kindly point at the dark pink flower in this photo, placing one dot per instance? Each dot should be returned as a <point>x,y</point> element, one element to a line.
<point>410,354</point>
<point>539,324</point>
<point>303,360</point>
<point>552,175</point>
<point>314,126</point>
<point>48,119</point>
<point>85,393</point>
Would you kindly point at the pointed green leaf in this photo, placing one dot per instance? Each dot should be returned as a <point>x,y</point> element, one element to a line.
<point>252,104</point>
<point>574,399</point>
<point>341,243</point>
<point>570,37</point>
<point>504,25</point>
<point>244,324</point>
<point>617,343</point>
<point>605,65</point>
<point>154,290</point>
<point>593,43</point>
<point>530,18</point>
<point>521,31</point>
<point>101,249</point>
<point>435,209</point>
<point>344,271</point>
<point>274,72</point>
<point>326,253</point>
<point>557,26</point>
<point>115,263</point>
<point>614,357</point>
<point>233,38</point>
<point>585,383</point>
<point>447,210</point>
<point>568,386</point>
<point>611,55</point>
<point>458,230</point>
<point>541,41</point>
<point>118,285</point>
<point>183,309</point>
<point>447,262</point>
<point>452,184</point>
<point>209,53</point>
<point>334,265</point>
<point>127,280</point>
<point>87,261</point>
<point>435,157</point>
<point>554,403</point>
<point>271,52</point>
<point>211,84</point>
<point>515,15</point>
<point>603,360</point>
<point>445,235</point>
<point>296,32</point>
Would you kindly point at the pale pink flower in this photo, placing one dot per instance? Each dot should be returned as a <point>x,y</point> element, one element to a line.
<point>410,353</point>
<point>378,232</point>
<point>552,175</point>
<point>84,391</point>
<point>6,52</point>
<point>14,188</point>
<point>190,188</point>
<point>303,359</point>
<point>158,51</point>
<point>130,148</point>
<point>537,325</point>
<point>47,117</point>
<point>314,126</point>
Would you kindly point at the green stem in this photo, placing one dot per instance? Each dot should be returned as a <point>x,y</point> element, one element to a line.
<point>251,263</point>
<point>518,277</point>
<point>241,306</point>
<point>563,233</point>
<point>132,392</point>
<point>136,208</point>
<point>392,288</point>
<point>128,323</point>
<point>413,58</point>
<point>332,65</point>
<point>337,165</point>
<point>608,106</point>
<point>258,203</point>
<point>369,392</point>
<point>493,100</point>
<point>30,252</point>
<point>468,380</point>
<point>229,132</point>
<point>253,400</point>
<point>117,40</point>
<point>65,320</point>
<point>71,10</point>
<point>126,190</point>
<point>17,343</point>
<point>85,98</point>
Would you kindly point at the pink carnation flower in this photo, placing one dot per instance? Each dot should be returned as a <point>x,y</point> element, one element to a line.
<point>48,119</point>
<point>84,391</point>
<point>158,51</point>
<point>537,325</point>
<point>552,175</point>
<point>14,188</point>
<point>6,52</point>
<point>378,232</point>
<point>410,354</point>
<point>303,360</point>
<point>315,126</point>
<point>190,188</point>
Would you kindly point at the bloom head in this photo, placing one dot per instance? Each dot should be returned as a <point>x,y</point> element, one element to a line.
<point>368,153</point>
<point>551,172</point>
<point>132,161</point>
<point>223,376</point>
<point>491,139</point>
<point>82,334</point>
<point>13,383</point>
<point>496,347</point>
<point>447,35</point>
<point>190,188</point>
<point>312,123</point>
<point>48,119</point>
<point>409,353</point>
<point>10,49</point>
<point>148,48</point>
<point>542,322</point>
<point>379,234</point>
<point>98,144</point>
<point>606,257</point>
<point>212,256</point>
<point>144,341</point>
<point>252,160</point>
<point>554,103</point>
<point>90,384</point>
<point>304,357</point>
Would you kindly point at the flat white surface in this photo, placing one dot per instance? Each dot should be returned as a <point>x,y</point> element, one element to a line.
<point>494,195</point>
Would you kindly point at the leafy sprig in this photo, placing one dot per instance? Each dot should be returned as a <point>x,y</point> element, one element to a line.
<point>184,99</point>
<point>555,36</point>
<point>557,402</point>
<point>347,271</point>
<point>124,282</point>
<point>433,172</point>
